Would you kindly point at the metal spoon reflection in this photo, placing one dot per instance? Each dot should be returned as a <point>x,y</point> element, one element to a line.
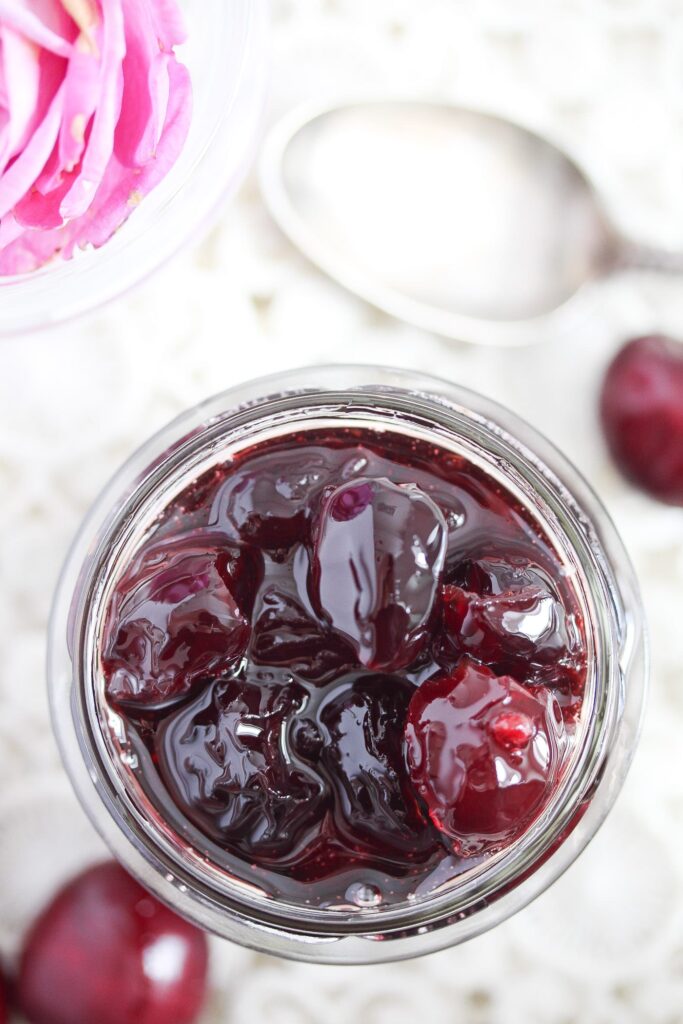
<point>453,220</point>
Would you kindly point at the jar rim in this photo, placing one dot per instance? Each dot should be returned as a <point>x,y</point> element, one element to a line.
<point>505,881</point>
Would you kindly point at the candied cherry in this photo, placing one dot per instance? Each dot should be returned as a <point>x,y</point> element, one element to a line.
<point>287,636</point>
<point>107,951</point>
<point>228,763</point>
<point>269,501</point>
<point>176,619</point>
<point>378,556</point>
<point>508,615</point>
<point>483,754</point>
<point>375,809</point>
<point>641,407</point>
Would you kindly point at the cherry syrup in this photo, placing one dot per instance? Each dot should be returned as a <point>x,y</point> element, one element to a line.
<point>349,663</point>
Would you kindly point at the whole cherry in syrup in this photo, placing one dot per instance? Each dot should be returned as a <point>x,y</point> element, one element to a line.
<point>378,555</point>
<point>483,754</point>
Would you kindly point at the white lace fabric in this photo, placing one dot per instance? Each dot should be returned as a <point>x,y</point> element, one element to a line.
<point>604,78</point>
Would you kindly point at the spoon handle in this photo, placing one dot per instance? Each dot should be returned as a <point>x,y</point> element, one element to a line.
<point>634,256</point>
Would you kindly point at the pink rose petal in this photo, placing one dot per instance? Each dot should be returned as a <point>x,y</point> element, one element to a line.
<point>10,230</point>
<point>83,83</point>
<point>169,23</point>
<point>53,15</point>
<point>18,179</point>
<point>39,208</point>
<point>21,72</point>
<point>160,89</point>
<point>146,88</point>
<point>27,24</point>
<point>33,76</point>
<point>101,142</point>
<point>86,15</point>
<point>32,249</point>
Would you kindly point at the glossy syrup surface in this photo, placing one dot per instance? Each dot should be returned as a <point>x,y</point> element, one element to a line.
<point>349,665</point>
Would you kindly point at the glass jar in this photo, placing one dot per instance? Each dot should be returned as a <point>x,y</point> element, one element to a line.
<point>227,55</point>
<point>536,474</point>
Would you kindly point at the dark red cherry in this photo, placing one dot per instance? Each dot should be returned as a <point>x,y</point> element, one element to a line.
<point>379,551</point>
<point>483,754</point>
<point>363,756</point>
<point>288,636</point>
<point>228,761</point>
<point>642,415</point>
<point>269,502</point>
<point>176,619</point>
<point>509,615</point>
<point>107,952</point>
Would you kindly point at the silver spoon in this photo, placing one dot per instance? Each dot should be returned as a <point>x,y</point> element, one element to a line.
<point>457,221</point>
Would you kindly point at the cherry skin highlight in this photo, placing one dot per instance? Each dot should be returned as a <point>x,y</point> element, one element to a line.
<point>483,754</point>
<point>641,407</point>
<point>105,950</point>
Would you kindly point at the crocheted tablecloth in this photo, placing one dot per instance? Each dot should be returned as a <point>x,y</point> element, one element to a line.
<point>603,77</point>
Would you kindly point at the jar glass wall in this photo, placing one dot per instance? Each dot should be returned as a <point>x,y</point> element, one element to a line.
<point>527,466</point>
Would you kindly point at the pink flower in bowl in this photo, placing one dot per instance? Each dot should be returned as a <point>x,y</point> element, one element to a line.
<point>94,111</point>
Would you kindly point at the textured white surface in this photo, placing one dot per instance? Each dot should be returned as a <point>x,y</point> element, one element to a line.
<point>605,77</point>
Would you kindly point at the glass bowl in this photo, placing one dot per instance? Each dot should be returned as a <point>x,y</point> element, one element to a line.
<point>226,53</point>
<point>101,766</point>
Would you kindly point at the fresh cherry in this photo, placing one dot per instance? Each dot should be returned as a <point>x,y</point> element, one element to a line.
<point>379,551</point>
<point>642,415</point>
<point>483,754</point>
<point>107,952</point>
<point>509,615</point>
<point>175,619</point>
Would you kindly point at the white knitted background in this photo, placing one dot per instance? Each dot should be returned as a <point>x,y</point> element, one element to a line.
<point>604,77</point>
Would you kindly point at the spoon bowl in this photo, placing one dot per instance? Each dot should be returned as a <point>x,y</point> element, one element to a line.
<point>454,220</point>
